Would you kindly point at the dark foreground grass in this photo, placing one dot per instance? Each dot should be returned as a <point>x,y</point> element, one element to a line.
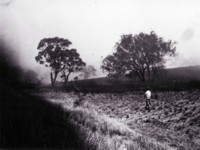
<point>30,122</point>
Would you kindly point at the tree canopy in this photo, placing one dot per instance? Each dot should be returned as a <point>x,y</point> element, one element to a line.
<point>138,55</point>
<point>55,53</point>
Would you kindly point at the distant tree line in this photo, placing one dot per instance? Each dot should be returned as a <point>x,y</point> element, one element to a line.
<point>142,55</point>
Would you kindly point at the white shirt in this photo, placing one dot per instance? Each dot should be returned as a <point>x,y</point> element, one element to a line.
<point>148,94</point>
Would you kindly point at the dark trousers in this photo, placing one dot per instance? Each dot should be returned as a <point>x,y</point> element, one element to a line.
<point>147,104</point>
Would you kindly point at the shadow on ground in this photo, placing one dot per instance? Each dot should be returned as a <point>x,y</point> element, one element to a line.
<point>30,122</point>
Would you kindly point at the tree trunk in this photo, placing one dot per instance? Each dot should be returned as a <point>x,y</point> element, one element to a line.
<point>66,78</point>
<point>142,72</point>
<point>141,75</point>
<point>53,78</point>
<point>148,73</point>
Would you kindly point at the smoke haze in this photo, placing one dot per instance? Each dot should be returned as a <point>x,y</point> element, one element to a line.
<point>94,26</point>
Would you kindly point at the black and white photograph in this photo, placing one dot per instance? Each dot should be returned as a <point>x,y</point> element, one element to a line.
<point>100,74</point>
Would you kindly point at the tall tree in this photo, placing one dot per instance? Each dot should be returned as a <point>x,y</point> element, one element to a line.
<point>55,53</point>
<point>138,55</point>
<point>73,64</point>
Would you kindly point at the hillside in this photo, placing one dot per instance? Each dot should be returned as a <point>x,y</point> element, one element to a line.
<point>171,79</point>
<point>184,73</point>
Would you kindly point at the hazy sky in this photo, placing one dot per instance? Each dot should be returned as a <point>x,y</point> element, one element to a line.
<point>94,26</point>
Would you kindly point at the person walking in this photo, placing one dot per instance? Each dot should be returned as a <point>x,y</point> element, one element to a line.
<point>148,98</point>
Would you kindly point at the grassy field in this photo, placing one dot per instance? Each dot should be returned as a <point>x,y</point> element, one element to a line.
<point>119,121</point>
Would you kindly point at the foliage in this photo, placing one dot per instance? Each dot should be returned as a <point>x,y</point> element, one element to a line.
<point>88,71</point>
<point>138,55</point>
<point>54,53</point>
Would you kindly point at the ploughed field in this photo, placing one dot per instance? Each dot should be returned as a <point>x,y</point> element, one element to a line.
<point>174,117</point>
<point>173,121</point>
